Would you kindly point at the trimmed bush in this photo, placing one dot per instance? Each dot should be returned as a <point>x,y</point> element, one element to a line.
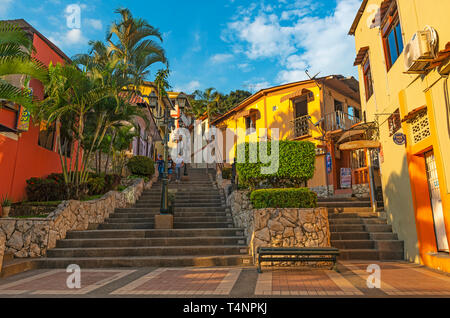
<point>296,163</point>
<point>283,198</point>
<point>141,166</point>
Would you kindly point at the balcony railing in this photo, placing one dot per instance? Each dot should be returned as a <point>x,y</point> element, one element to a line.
<point>339,120</point>
<point>301,126</point>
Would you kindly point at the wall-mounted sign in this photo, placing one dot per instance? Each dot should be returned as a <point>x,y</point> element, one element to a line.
<point>328,162</point>
<point>399,138</point>
<point>346,178</point>
<point>24,119</point>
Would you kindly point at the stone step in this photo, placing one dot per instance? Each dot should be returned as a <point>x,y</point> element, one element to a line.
<point>181,205</point>
<point>349,235</point>
<point>363,236</point>
<point>124,226</point>
<point>155,261</point>
<point>17,265</point>
<point>177,209</point>
<point>176,214</point>
<point>360,227</point>
<point>343,199</point>
<point>344,204</point>
<point>149,219</point>
<point>194,219</point>
<point>201,225</point>
<point>164,241</point>
<point>369,254</point>
<point>185,195</point>
<point>359,210</point>
<point>356,221</point>
<point>358,254</point>
<point>353,244</point>
<point>147,251</point>
<point>141,233</point>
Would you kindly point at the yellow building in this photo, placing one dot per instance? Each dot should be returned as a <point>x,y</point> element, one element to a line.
<point>305,110</point>
<point>403,54</point>
<point>177,113</point>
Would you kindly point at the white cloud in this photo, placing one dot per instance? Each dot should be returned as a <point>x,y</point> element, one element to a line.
<point>70,38</point>
<point>4,7</point>
<point>245,67</point>
<point>221,58</point>
<point>297,39</point>
<point>94,23</point>
<point>189,87</point>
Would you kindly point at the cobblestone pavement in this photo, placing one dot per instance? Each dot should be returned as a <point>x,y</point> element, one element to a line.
<point>398,279</point>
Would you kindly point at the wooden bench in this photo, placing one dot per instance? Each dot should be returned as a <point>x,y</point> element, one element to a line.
<point>296,254</point>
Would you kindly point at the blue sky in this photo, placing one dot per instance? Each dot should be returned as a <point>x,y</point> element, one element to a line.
<point>226,44</point>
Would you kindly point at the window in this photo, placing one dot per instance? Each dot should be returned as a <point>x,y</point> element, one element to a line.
<point>367,79</point>
<point>250,123</point>
<point>392,35</point>
<point>394,122</point>
<point>46,137</point>
<point>301,107</point>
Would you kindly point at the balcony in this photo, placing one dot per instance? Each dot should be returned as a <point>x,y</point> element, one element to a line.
<point>301,126</point>
<point>339,120</point>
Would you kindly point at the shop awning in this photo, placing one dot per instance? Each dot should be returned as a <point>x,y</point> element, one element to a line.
<point>359,144</point>
<point>360,56</point>
<point>350,133</point>
<point>296,94</point>
<point>248,112</point>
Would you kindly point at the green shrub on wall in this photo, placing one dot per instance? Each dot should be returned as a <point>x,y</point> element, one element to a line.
<point>141,165</point>
<point>295,164</point>
<point>283,198</point>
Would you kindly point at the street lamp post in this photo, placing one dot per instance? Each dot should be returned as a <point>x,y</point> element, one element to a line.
<point>166,125</point>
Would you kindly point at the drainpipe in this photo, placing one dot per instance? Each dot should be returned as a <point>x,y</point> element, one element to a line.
<point>373,199</point>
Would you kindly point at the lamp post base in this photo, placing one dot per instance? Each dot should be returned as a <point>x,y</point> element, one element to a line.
<point>164,221</point>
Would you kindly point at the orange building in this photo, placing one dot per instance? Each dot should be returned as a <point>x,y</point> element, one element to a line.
<point>25,149</point>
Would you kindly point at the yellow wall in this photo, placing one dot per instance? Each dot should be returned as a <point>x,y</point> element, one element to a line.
<point>281,118</point>
<point>394,89</point>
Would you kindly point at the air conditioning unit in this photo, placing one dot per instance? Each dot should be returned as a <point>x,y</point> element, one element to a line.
<point>418,52</point>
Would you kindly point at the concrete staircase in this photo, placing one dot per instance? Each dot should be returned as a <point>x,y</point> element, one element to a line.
<point>359,233</point>
<point>203,233</point>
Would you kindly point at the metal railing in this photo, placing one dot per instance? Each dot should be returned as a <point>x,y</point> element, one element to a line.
<point>339,120</point>
<point>301,126</point>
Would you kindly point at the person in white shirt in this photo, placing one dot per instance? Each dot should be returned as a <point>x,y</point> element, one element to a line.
<point>179,163</point>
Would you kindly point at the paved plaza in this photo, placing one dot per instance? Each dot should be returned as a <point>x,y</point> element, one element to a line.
<point>398,279</point>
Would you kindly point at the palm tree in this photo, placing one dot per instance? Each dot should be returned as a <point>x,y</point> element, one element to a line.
<point>72,95</point>
<point>207,101</point>
<point>133,47</point>
<point>15,59</point>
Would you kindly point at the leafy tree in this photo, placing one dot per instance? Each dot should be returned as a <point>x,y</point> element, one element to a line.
<point>16,48</point>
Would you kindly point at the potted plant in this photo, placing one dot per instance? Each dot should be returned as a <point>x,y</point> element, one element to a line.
<point>6,206</point>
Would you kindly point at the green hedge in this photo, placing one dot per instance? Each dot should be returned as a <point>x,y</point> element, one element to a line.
<point>283,198</point>
<point>295,165</point>
<point>141,166</point>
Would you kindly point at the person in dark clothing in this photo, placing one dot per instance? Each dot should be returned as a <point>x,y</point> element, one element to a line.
<point>160,163</point>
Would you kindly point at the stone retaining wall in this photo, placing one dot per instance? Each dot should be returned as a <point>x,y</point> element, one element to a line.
<point>2,249</point>
<point>279,227</point>
<point>361,190</point>
<point>32,237</point>
<point>322,191</point>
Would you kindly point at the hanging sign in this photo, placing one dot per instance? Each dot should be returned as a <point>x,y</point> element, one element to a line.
<point>328,162</point>
<point>346,178</point>
<point>399,138</point>
<point>24,119</point>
